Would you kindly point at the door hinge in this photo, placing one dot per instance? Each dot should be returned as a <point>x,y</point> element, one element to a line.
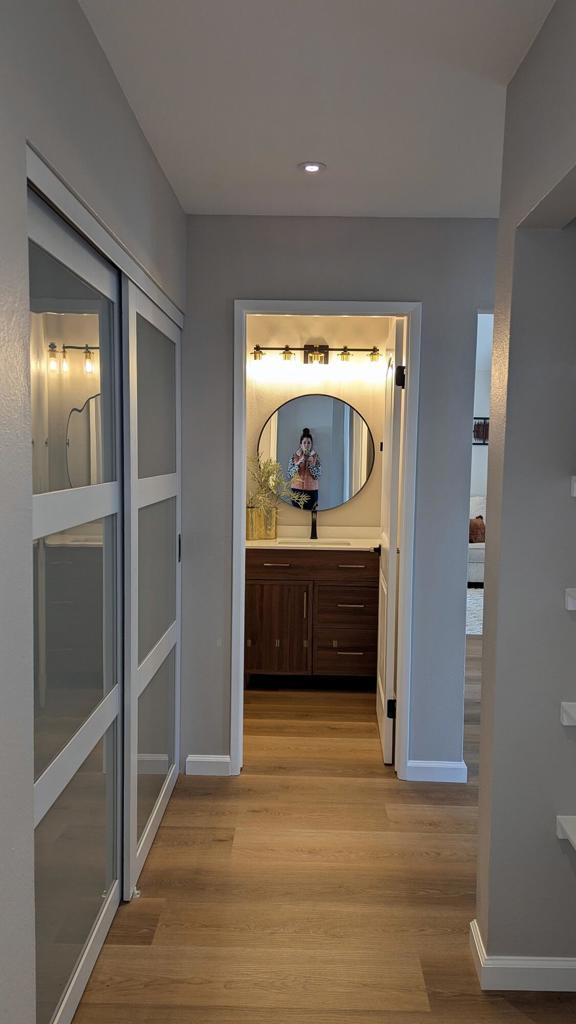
<point>391,708</point>
<point>400,377</point>
<point>179,547</point>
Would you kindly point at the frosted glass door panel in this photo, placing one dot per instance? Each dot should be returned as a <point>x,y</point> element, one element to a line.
<point>75,868</point>
<point>72,378</point>
<point>156,573</point>
<point>156,401</point>
<point>75,631</point>
<point>155,738</point>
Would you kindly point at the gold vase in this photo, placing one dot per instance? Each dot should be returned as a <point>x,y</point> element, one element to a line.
<point>261,524</point>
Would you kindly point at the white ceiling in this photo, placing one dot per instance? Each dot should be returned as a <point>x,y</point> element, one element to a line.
<point>403,99</point>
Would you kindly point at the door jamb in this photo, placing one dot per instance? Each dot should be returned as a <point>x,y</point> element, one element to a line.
<point>413,312</point>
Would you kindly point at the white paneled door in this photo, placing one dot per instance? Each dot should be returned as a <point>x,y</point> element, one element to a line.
<point>152,567</point>
<point>105,385</point>
<point>77,560</point>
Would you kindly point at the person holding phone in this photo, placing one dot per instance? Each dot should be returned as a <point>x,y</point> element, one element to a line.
<point>304,471</point>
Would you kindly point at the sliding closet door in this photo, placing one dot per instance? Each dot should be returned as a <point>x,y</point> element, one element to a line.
<point>152,465</point>
<point>77,561</point>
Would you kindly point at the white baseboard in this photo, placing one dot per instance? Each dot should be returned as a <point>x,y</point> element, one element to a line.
<point>521,973</point>
<point>435,771</point>
<point>209,764</point>
<point>153,764</point>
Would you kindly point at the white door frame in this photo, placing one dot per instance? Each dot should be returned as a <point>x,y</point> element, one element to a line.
<point>140,493</point>
<point>413,312</point>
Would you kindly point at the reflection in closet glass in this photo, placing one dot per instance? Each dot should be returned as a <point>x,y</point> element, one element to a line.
<point>155,738</point>
<point>156,573</point>
<point>75,851</point>
<point>72,379</point>
<point>74,634</point>
<point>156,401</point>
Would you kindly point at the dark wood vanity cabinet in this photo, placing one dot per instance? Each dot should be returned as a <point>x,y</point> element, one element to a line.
<point>311,612</point>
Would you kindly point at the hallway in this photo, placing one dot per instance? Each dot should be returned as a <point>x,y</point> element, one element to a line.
<point>314,889</point>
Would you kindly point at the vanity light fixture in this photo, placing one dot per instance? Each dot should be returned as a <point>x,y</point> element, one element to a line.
<point>52,358</point>
<point>88,361</point>
<point>65,364</point>
<point>319,354</point>
<point>312,166</point>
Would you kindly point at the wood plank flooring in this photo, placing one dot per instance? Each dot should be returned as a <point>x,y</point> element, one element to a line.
<point>314,889</point>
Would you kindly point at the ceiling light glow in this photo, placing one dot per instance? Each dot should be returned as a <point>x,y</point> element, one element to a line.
<point>312,166</point>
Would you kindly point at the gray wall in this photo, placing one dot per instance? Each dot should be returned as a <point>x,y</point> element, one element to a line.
<point>527,878</point>
<point>57,91</point>
<point>446,264</point>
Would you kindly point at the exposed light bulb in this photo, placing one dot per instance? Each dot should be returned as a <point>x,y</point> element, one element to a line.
<point>375,355</point>
<point>53,358</point>
<point>344,355</point>
<point>88,361</point>
<point>65,364</point>
<point>257,353</point>
<point>287,353</point>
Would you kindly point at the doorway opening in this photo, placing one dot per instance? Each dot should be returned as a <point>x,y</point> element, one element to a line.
<point>477,540</point>
<point>326,401</point>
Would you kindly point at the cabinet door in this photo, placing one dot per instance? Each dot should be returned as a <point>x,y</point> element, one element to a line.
<point>295,635</point>
<point>263,627</point>
<point>278,625</point>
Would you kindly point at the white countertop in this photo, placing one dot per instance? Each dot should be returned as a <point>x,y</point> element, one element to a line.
<point>323,543</point>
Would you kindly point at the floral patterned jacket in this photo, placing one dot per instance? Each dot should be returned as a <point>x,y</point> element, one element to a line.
<point>304,471</point>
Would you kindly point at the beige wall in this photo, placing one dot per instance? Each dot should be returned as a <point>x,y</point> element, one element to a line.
<point>445,264</point>
<point>271,382</point>
<point>527,878</point>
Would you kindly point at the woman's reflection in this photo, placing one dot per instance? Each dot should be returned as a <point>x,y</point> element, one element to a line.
<point>304,471</point>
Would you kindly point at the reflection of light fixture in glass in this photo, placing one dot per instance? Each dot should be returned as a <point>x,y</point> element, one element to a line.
<point>344,355</point>
<point>257,353</point>
<point>65,364</point>
<point>375,355</point>
<point>53,358</point>
<point>88,361</point>
<point>287,354</point>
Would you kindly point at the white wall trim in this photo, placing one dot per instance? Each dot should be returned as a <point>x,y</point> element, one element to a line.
<point>413,312</point>
<point>435,771</point>
<point>521,973</point>
<point>85,220</point>
<point>210,764</point>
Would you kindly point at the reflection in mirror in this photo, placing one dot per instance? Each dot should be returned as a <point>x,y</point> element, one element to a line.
<point>72,379</point>
<point>83,436</point>
<point>324,446</point>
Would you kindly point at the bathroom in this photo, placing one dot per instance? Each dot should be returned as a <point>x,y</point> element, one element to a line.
<point>325,443</point>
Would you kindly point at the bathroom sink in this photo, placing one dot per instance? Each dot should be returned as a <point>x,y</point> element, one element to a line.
<point>313,543</point>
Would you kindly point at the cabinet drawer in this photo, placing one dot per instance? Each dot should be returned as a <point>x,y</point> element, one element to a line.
<point>292,564</point>
<point>345,652</point>
<point>346,606</point>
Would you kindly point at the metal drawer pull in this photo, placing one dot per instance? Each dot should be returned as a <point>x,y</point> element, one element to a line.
<point>350,566</point>
<point>350,605</point>
<point>351,654</point>
<point>305,604</point>
<point>268,565</point>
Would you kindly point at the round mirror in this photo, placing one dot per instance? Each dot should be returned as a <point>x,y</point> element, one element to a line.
<point>324,447</point>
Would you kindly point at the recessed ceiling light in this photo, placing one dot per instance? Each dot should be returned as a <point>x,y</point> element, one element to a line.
<point>312,166</point>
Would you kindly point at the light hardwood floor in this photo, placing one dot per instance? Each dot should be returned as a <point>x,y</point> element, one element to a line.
<point>314,889</point>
